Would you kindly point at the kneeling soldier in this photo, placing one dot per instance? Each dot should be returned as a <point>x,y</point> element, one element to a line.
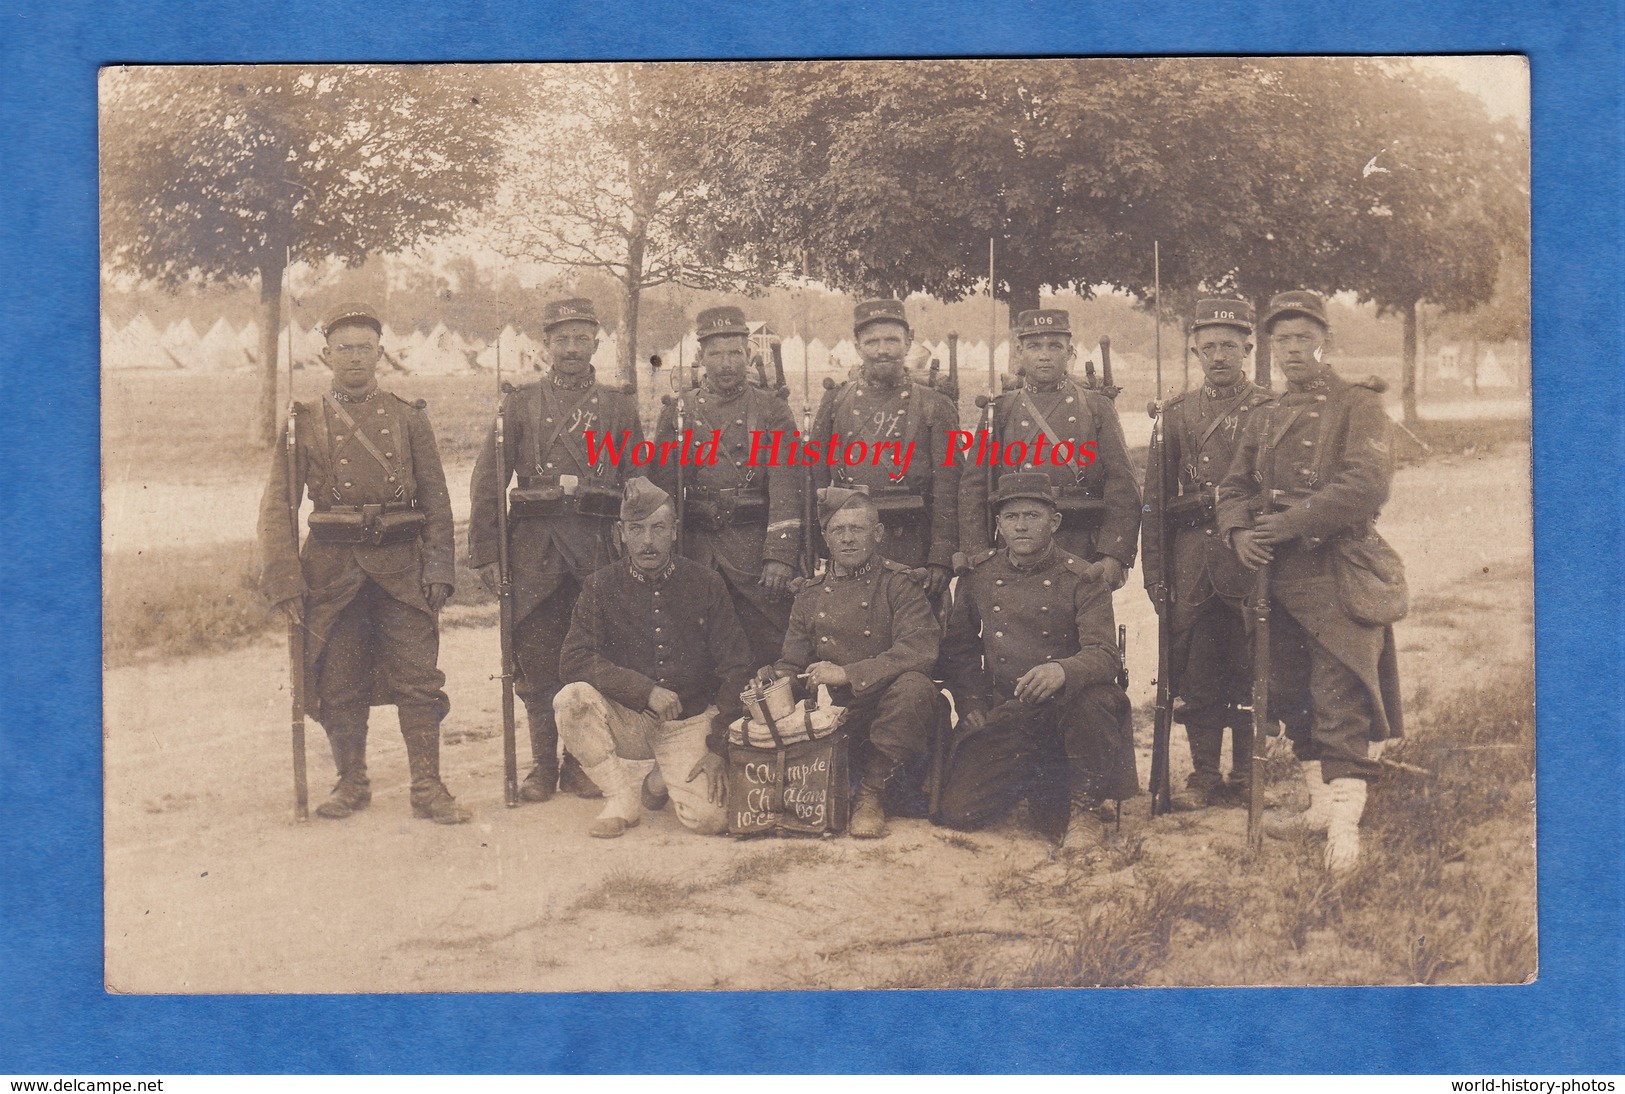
<point>865,630</point>
<point>1031,658</point>
<point>375,570</point>
<point>656,661</point>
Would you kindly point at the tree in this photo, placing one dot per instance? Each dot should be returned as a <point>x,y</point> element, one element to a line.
<point>230,172</point>
<point>605,180</point>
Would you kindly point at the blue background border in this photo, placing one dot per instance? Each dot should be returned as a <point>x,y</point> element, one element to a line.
<point>56,1016</point>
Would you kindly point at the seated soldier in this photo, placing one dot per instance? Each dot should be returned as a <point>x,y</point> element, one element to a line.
<point>1031,660</point>
<point>865,630</point>
<point>655,661</point>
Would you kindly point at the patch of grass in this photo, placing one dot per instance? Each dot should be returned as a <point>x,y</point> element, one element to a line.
<point>960,842</point>
<point>635,893</point>
<point>770,864</point>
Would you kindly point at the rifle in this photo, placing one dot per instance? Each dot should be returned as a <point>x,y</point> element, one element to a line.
<point>1162,724</point>
<point>510,754</point>
<point>780,388</point>
<point>1122,656</point>
<point>296,624</point>
<point>1107,388</point>
<point>809,501</point>
<point>1261,664</point>
<point>953,367</point>
<point>682,500</point>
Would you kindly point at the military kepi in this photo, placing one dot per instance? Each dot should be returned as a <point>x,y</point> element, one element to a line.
<point>1220,312</point>
<point>832,499</point>
<point>1297,302</point>
<point>724,320</point>
<point>640,498</point>
<point>575,309</point>
<point>1043,321</point>
<point>351,313</point>
<point>877,311</point>
<point>1024,484</point>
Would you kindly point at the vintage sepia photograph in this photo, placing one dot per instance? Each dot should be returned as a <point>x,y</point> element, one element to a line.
<point>802,525</point>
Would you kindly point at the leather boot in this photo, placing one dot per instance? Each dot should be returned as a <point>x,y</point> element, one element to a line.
<point>1201,788</point>
<point>430,798</point>
<point>1279,824</point>
<point>544,747</point>
<point>573,779</point>
<point>622,809</point>
<point>1085,831</point>
<point>869,810</point>
<point>1345,806</point>
<point>352,791</point>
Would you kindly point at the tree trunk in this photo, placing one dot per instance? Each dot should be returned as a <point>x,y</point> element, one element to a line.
<point>1024,298</point>
<point>263,428</point>
<point>1407,365</point>
<point>1261,344</point>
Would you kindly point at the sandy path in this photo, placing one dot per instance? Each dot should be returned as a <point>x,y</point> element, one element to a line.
<point>212,888</point>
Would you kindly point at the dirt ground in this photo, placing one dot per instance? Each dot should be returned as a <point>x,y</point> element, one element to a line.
<point>212,887</point>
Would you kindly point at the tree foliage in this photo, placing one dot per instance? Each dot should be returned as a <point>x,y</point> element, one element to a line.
<point>233,171</point>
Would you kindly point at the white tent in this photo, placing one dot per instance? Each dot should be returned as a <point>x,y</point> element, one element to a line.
<point>180,341</point>
<point>138,345</point>
<point>218,350</point>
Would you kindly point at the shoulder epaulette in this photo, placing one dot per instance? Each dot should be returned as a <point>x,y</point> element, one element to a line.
<point>894,567</point>
<point>983,555</point>
<point>1260,397</point>
<point>1076,565</point>
<point>1373,383</point>
<point>420,404</point>
<point>1176,400</point>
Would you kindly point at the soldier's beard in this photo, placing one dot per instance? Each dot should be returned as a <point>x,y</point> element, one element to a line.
<point>883,372</point>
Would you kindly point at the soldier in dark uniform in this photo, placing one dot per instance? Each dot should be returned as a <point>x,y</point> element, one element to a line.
<point>865,630</point>
<point>1031,659</point>
<point>656,662</point>
<point>920,508</point>
<point>560,517</point>
<point>742,521</point>
<point>375,569</point>
<point>1100,503</point>
<point>1202,579</point>
<point>1323,449</point>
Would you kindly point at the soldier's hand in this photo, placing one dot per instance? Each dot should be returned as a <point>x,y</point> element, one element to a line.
<point>1040,682</point>
<point>292,609</point>
<point>961,562</point>
<point>1111,571</point>
<point>975,719</point>
<point>1268,528</point>
<point>490,577</point>
<point>1252,553</point>
<point>827,674</point>
<point>436,594</point>
<point>711,766</point>
<point>776,578</point>
<point>936,580</point>
<point>665,705</point>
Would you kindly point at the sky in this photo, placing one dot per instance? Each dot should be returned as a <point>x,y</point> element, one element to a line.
<point>1501,81</point>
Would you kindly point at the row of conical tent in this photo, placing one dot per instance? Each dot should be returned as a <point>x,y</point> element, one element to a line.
<point>140,344</point>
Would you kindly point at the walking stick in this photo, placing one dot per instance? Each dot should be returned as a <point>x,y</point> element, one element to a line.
<point>510,747</point>
<point>296,623</point>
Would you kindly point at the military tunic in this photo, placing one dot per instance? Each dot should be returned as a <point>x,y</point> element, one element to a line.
<point>1006,620</point>
<point>549,556</point>
<point>1324,449</point>
<point>370,636</point>
<point>861,410</point>
<point>877,625</point>
<point>737,515</point>
<point>1068,413</point>
<point>1210,658</point>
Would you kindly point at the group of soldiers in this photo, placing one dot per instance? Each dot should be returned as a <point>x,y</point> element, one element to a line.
<point>642,607</point>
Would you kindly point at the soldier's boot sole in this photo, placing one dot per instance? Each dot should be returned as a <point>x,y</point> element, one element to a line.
<point>439,806</point>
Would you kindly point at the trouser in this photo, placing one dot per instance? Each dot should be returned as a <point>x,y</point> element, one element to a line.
<point>378,649</point>
<point>896,723</point>
<point>595,729</point>
<point>1078,744</point>
<point>538,642</point>
<point>1321,701</point>
<point>1213,667</point>
<point>764,621</point>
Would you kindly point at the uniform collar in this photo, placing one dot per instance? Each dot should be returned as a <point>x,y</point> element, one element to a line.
<point>345,397</point>
<point>709,392</point>
<point>561,383</point>
<point>658,579</point>
<point>1036,564</point>
<point>1234,391</point>
<point>838,571</point>
<point>1320,384</point>
<point>1045,389</point>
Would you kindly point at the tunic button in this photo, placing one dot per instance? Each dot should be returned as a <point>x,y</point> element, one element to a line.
<point>1308,444</point>
<point>1004,659</point>
<point>866,634</point>
<point>549,465</point>
<point>739,421</point>
<point>383,432</point>
<point>999,581</point>
<point>348,485</point>
<point>1314,413</point>
<point>550,421</point>
<point>1043,607</point>
<point>1025,422</point>
<point>1045,634</point>
<point>998,634</point>
<point>344,460</point>
<point>820,615</point>
<point>1320,398</point>
<point>1207,459</point>
<point>824,638</point>
<point>1207,531</point>
<point>827,589</point>
<point>1047,583</point>
<point>997,608</point>
<point>1069,399</point>
<point>339,438</point>
<point>657,630</point>
<point>864,604</point>
<point>392,478</point>
<point>380,410</point>
<point>1072,419</point>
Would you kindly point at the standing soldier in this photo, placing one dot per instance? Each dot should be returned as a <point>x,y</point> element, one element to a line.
<point>1322,451</point>
<point>560,514</point>
<point>919,507</point>
<point>742,521</point>
<point>656,662</point>
<point>864,630</point>
<point>1202,581</point>
<point>375,569</point>
<point>1100,504</point>
<point>1032,661</point>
